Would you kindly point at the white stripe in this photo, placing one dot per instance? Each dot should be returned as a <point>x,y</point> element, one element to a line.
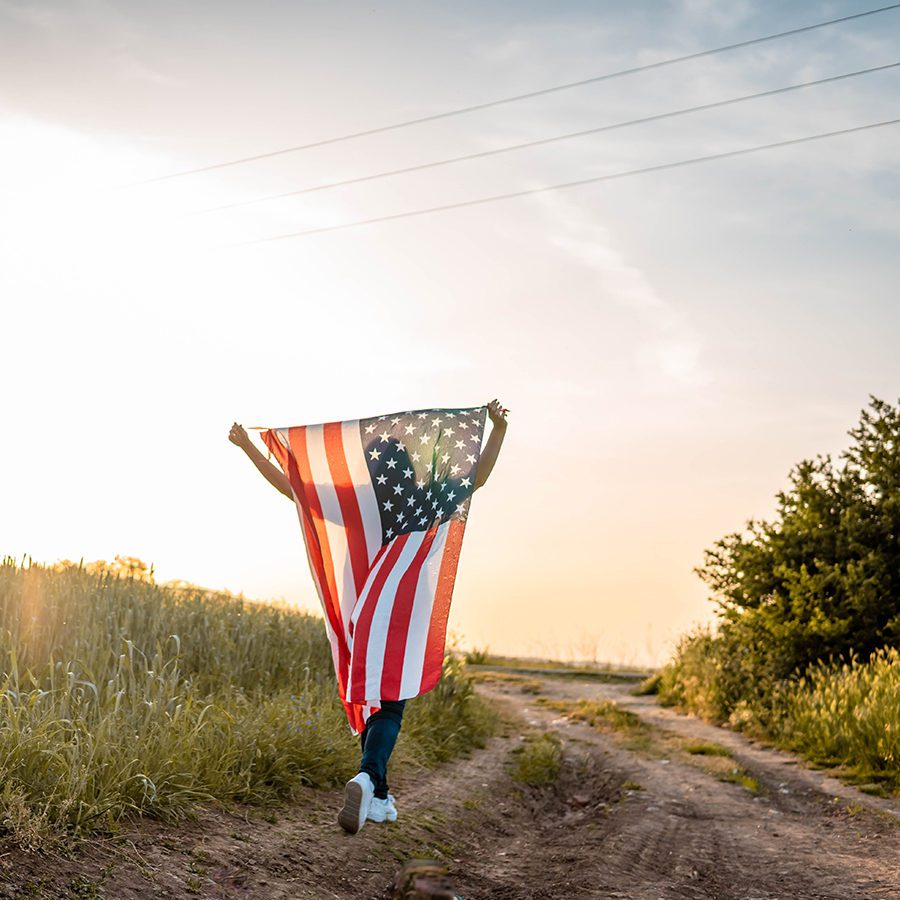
<point>354,453</point>
<point>364,593</point>
<point>282,435</point>
<point>375,649</point>
<point>334,522</point>
<point>382,618</point>
<point>420,620</point>
<point>360,606</point>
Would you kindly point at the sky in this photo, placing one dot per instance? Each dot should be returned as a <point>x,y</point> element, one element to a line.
<point>669,345</point>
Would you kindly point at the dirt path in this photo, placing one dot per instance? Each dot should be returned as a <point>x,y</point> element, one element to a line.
<point>632,814</point>
<point>685,833</point>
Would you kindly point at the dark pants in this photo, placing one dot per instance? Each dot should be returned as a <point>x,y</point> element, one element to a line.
<point>377,740</point>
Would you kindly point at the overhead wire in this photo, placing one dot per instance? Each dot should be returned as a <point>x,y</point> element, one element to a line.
<point>495,198</point>
<point>517,97</point>
<point>541,141</point>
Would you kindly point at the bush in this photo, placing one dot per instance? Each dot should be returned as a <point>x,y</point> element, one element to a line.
<point>822,579</point>
<point>801,600</point>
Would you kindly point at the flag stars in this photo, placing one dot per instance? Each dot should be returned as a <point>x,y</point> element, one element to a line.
<point>421,486</point>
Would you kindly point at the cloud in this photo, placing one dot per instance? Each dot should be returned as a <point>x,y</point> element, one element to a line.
<point>671,353</point>
<point>33,15</point>
<point>714,12</point>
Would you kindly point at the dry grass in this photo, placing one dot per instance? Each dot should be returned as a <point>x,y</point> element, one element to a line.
<point>118,697</point>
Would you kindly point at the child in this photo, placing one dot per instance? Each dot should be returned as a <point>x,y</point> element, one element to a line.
<point>366,795</point>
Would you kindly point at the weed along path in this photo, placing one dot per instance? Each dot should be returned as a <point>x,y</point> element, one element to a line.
<point>587,792</point>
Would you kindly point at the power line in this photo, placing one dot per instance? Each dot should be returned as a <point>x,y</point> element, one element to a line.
<point>569,184</point>
<point>543,141</point>
<point>531,94</point>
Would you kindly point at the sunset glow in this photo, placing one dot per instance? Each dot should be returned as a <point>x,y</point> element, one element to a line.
<point>669,345</point>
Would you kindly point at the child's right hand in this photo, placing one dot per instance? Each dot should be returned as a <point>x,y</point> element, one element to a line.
<point>238,436</point>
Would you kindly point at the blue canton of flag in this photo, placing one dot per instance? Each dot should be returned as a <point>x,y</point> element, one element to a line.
<point>422,465</point>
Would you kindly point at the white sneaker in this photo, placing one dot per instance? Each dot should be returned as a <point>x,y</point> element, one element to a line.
<point>383,810</point>
<point>358,795</point>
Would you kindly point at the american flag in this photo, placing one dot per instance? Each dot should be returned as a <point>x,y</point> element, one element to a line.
<point>383,505</point>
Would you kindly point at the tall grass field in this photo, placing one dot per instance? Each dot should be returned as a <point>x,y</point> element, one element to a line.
<point>119,696</point>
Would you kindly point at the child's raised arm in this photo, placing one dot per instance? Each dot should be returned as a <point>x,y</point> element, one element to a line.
<point>494,442</point>
<point>271,473</point>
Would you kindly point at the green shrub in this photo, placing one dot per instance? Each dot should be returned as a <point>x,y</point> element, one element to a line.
<point>821,580</point>
<point>802,598</point>
<point>538,760</point>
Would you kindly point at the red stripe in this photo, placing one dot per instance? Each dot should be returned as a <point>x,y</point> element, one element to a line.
<point>355,716</point>
<point>271,440</point>
<point>346,495</point>
<point>437,628</point>
<point>289,466</point>
<point>300,476</point>
<point>364,622</point>
<point>283,456</point>
<point>381,551</point>
<point>398,629</point>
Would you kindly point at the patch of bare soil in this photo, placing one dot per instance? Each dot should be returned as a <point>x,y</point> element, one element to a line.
<point>624,819</point>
